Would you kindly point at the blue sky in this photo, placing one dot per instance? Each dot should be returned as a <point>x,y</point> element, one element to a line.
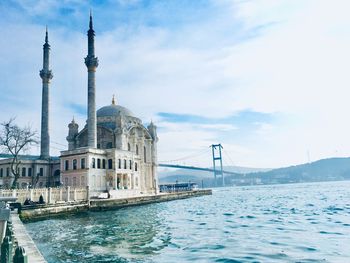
<point>267,79</point>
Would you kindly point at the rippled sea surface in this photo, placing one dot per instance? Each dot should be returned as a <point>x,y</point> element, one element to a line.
<point>279,223</point>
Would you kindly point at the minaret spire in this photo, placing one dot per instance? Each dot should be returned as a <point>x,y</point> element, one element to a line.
<point>91,63</point>
<point>90,24</point>
<point>46,37</point>
<point>46,76</point>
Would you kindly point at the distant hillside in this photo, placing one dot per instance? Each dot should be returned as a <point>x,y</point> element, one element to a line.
<point>331,169</point>
<point>323,170</point>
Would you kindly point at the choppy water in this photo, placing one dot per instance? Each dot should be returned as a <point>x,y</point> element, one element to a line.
<point>280,223</point>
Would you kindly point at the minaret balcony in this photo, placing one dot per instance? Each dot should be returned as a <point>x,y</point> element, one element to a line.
<point>91,62</point>
<point>46,74</point>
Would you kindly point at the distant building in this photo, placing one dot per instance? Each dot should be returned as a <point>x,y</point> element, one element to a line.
<point>114,152</point>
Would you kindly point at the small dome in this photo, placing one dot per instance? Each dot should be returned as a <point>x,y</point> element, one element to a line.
<point>113,110</point>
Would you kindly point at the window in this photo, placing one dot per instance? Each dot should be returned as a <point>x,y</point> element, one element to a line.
<point>74,181</point>
<point>137,181</point>
<point>98,163</point>
<point>130,164</point>
<point>124,164</point>
<point>109,145</point>
<point>1,172</point>
<point>103,163</point>
<point>110,164</point>
<point>137,149</point>
<point>41,172</point>
<point>144,154</point>
<point>23,171</point>
<point>129,147</point>
<point>66,165</point>
<point>93,164</point>
<point>82,163</point>
<point>7,171</point>
<point>135,167</point>
<point>29,171</point>
<point>74,164</point>
<point>66,181</point>
<point>119,164</point>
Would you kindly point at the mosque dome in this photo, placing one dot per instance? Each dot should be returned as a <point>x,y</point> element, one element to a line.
<point>113,110</point>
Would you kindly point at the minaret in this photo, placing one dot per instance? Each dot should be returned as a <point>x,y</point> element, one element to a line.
<point>91,63</point>
<point>46,76</point>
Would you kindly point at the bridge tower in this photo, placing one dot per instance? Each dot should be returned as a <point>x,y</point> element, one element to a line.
<point>217,157</point>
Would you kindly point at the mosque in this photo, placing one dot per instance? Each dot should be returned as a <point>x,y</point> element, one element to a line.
<point>114,152</point>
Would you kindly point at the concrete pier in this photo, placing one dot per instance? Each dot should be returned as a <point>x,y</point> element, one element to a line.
<point>25,240</point>
<point>50,210</point>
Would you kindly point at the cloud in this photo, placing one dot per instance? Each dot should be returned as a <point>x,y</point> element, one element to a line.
<point>204,63</point>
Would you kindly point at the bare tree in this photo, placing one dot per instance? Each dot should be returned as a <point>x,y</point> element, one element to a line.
<point>15,140</point>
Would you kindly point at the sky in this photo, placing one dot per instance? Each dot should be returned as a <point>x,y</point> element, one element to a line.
<point>267,79</point>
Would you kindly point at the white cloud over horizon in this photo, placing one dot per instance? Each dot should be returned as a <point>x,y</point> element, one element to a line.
<point>279,58</point>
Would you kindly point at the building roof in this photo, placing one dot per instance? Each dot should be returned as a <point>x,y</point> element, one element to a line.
<point>113,111</point>
<point>26,157</point>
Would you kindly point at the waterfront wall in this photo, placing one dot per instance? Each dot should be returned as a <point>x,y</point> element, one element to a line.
<point>50,195</point>
<point>105,204</point>
<point>44,211</point>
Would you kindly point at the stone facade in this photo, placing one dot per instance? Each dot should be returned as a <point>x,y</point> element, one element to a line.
<point>125,157</point>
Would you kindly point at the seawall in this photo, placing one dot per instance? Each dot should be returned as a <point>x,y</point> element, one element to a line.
<point>25,241</point>
<point>105,204</point>
<point>49,210</point>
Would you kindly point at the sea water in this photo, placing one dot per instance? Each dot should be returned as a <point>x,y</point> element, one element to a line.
<point>273,223</point>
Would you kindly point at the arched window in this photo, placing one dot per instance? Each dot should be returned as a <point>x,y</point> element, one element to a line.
<point>93,163</point>
<point>137,149</point>
<point>74,164</point>
<point>110,164</point>
<point>144,154</point>
<point>135,167</point>
<point>119,164</point>
<point>66,165</point>
<point>130,164</point>
<point>98,163</point>
<point>103,163</point>
<point>129,147</point>
<point>124,164</point>
<point>23,171</point>
<point>1,172</point>
<point>82,163</point>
